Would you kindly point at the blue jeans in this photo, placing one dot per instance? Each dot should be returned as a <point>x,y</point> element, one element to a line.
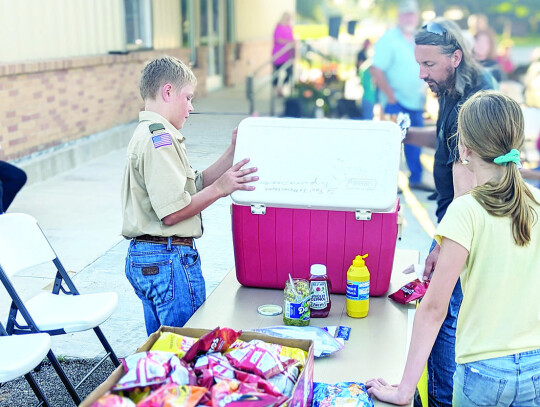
<point>505,381</point>
<point>442,360</point>
<point>412,152</point>
<point>168,280</point>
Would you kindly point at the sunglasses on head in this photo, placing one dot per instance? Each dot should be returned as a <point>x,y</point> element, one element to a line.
<point>434,28</point>
<point>437,29</point>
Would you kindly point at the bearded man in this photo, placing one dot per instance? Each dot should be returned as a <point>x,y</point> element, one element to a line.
<point>451,72</point>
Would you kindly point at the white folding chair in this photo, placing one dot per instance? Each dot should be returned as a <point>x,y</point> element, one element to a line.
<point>19,355</point>
<point>23,245</point>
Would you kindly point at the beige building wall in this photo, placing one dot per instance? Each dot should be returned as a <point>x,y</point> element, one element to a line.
<point>256,19</point>
<point>166,22</point>
<point>33,30</point>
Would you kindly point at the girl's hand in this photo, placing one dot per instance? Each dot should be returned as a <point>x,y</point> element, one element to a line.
<point>388,393</point>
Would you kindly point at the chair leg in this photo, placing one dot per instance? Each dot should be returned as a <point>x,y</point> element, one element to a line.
<point>37,390</point>
<point>107,346</point>
<point>67,383</point>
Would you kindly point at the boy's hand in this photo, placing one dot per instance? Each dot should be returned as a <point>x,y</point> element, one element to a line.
<point>236,178</point>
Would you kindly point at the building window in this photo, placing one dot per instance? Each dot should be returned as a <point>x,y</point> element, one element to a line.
<point>138,24</point>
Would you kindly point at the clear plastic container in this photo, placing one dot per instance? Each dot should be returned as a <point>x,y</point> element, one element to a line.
<point>296,311</point>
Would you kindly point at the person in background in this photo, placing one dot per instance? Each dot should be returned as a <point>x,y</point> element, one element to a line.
<point>490,240</point>
<point>448,67</point>
<point>162,197</point>
<point>395,73</point>
<point>369,90</point>
<point>283,37</point>
<point>485,52</point>
<point>504,56</point>
<point>12,179</point>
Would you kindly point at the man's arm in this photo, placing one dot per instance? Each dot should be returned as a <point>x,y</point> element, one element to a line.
<point>379,78</point>
<point>422,136</point>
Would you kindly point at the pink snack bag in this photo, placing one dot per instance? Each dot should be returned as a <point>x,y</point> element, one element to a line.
<point>410,292</point>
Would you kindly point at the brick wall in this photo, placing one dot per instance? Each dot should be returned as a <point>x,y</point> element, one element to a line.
<point>47,103</point>
<point>242,59</point>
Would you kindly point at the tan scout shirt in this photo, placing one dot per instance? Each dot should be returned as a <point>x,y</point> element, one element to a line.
<point>158,181</point>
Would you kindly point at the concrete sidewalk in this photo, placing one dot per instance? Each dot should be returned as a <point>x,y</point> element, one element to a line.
<point>79,210</point>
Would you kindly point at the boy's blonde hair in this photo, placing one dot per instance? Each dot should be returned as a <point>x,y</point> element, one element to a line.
<point>161,71</point>
<point>491,124</point>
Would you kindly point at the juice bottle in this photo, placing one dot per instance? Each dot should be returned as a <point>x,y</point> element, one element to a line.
<point>319,289</point>
<point>357,300</point>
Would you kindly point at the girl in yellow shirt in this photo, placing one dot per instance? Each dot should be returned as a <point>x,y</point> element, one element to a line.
<point>490,238</point>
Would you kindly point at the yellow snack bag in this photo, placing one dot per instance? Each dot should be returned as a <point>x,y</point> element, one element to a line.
<point>174,343</point>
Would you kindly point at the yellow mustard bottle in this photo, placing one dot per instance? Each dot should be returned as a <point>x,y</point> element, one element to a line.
<point>357,300</point>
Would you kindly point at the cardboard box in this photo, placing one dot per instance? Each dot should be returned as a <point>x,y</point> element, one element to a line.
<point>302,393</point>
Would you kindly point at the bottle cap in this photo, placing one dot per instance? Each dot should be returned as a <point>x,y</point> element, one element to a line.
<point>359,261</point>
<point>318,269</point>
<point>270,309</point>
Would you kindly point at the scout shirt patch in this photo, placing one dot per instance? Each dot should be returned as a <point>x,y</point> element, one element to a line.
<point>160,140</point>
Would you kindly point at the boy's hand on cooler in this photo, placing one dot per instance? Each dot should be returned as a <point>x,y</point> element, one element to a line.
<point>390,393</point>
<point>236,178</point>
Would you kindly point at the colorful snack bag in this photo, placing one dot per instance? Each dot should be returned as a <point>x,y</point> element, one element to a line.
<point>112,400</point>
<point>293,353</point>
<point>174,343</point>
<point>217,340</point>
<point>172,395</point>
<point>259,358</point>
<point>151,369</point>
<point>212,365</point>
<point>344,394</point>
<point>234,393</point>
<point>410,292</point>
<point>285,381</point>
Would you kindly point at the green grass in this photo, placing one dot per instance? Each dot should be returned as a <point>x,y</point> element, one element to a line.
<point>530,41</point>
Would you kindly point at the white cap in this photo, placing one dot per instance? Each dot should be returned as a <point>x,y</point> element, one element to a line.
<point>318,269</point>
<point>408,6</point>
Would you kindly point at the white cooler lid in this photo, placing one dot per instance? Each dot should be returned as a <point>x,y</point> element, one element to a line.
<point>320,163</point>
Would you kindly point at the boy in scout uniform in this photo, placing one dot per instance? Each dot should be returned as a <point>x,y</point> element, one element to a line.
<point>162,198</point>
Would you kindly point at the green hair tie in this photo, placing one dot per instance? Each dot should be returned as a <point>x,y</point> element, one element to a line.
<point>511,157</point>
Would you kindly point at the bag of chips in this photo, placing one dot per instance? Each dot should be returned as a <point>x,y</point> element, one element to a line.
<point>217,340</point>
<point>343,394</point>
<point>285,381</point>
<point>174,343</point>
<point>113,400</point>
<point>151,369</point>
<point>234,394</point>
<point>170,395</point>
<point>259,358</point>
<point>410,292</point>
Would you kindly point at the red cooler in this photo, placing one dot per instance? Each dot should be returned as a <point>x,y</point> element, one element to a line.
<point>326,193</point>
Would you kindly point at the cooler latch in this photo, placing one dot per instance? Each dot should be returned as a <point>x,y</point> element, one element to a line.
<point>363,214</point>
<point>258,209</point>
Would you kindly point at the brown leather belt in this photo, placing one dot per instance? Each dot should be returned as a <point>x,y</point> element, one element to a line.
<point>175,240</point>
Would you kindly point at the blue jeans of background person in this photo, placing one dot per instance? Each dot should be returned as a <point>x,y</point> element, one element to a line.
<point>12,179</point>
<point>505,381</point>
<point>168,280</point>
<point>412,152</point>
<point>367,109</point>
